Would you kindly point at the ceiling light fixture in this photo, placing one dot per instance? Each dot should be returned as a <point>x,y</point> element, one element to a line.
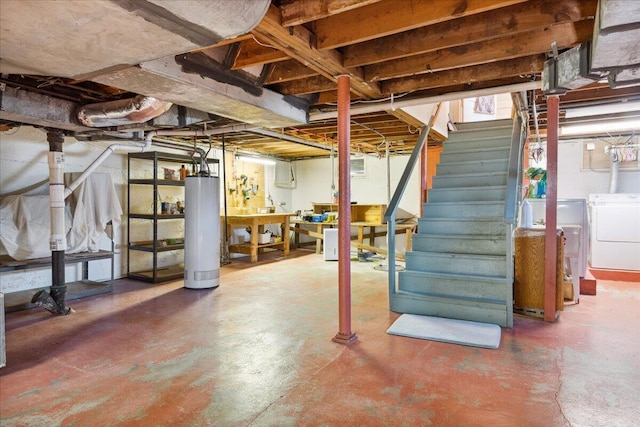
<point>258,160</point>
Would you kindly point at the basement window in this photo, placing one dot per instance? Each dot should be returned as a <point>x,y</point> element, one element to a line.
<point>358,166</point>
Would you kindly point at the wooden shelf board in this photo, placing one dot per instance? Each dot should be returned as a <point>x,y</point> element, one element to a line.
<point>163,274</point>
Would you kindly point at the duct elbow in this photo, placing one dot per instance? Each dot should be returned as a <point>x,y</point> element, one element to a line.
<point>122,112</point>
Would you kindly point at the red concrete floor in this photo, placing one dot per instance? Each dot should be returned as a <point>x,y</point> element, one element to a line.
<point>258,352</point>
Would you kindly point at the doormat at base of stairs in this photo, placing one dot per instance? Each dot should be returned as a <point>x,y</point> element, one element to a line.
<point>463,332</point>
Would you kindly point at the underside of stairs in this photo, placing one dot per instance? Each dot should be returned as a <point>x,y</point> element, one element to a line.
<point>461,263</point>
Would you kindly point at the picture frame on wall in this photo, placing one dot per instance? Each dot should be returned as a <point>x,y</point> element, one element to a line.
<point>485,105</point>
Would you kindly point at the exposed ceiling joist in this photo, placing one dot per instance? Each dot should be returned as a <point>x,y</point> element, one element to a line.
<point>524,44</point>
<point>304,86</point>
<point>299,44</point>
<point>532,15</point>
<point>288,70</point>
<point>390,17</point>
<point>251,53</point>
<point>513,67</point>
<point>300,12</point>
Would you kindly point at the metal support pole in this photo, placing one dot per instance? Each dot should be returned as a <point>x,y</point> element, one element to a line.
<point>344,335</point>
<point>550,249</point>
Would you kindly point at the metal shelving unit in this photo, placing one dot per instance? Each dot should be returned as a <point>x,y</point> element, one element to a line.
<point>155,246</point>
<point>155,273</point>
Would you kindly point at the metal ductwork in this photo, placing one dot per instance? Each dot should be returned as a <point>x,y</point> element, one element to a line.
<point>87,41</point>
<point>170,79</point>
<point>614,52</point>
<point>84,38</point>
<point>122,112</point>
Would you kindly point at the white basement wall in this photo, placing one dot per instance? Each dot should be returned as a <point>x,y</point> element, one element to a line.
<point>314,181</point>
<point>575,181</point>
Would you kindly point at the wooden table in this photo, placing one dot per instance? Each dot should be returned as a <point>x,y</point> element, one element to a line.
<point>257,223</point>
<point>297,227</point>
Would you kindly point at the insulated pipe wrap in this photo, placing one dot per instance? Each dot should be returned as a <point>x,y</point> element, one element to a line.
<point>122,112</point>
<point>57,239</point>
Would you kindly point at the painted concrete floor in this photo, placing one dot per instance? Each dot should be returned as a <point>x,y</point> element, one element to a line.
<point>258,352</point>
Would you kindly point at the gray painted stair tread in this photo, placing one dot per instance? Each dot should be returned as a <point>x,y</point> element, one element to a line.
<point>483,124</point>
<point>472,162</point>
<point>460,236</point>
<point>471,174</point>
<point>484,135</point>
<point>458,256</point>
<point>461,149</point>
<point>488,187</point>
<point>496,305</point>
<point>454,276</point>
<point>463,219</point>
<point>471,202</point>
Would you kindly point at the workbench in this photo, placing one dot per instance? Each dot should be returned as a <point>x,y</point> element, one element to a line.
<point>257,222</point>
<point>316,229</point>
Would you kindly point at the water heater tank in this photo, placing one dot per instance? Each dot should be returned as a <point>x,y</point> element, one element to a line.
<point>202,232</point>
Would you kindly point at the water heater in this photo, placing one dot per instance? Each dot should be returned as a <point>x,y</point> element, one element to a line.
<point>202,232</point>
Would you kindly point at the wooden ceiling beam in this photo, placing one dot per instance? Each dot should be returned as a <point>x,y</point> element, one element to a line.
<point>285,71</point>
<point>305,86</point>
<point>391,17</point>
<point>524,44</point>
<point>327,97</point>
<point>251,53</point>
<point>298,43</point>
<point>495,70</point>
<point>534,14</point>
<point>300,12</point>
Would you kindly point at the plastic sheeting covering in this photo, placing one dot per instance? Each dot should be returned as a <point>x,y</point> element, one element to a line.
<point>25,219</point>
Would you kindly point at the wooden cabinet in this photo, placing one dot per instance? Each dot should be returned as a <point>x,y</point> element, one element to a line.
<point>529,278</point>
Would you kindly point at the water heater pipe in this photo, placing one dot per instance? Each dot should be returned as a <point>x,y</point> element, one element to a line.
<point>176,146</point>
<point>613,178</point>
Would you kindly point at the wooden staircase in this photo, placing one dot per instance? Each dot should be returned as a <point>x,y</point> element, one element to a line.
<point>461,264</point>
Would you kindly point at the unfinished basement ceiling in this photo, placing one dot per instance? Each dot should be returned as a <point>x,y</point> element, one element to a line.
<point>269,69</point>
